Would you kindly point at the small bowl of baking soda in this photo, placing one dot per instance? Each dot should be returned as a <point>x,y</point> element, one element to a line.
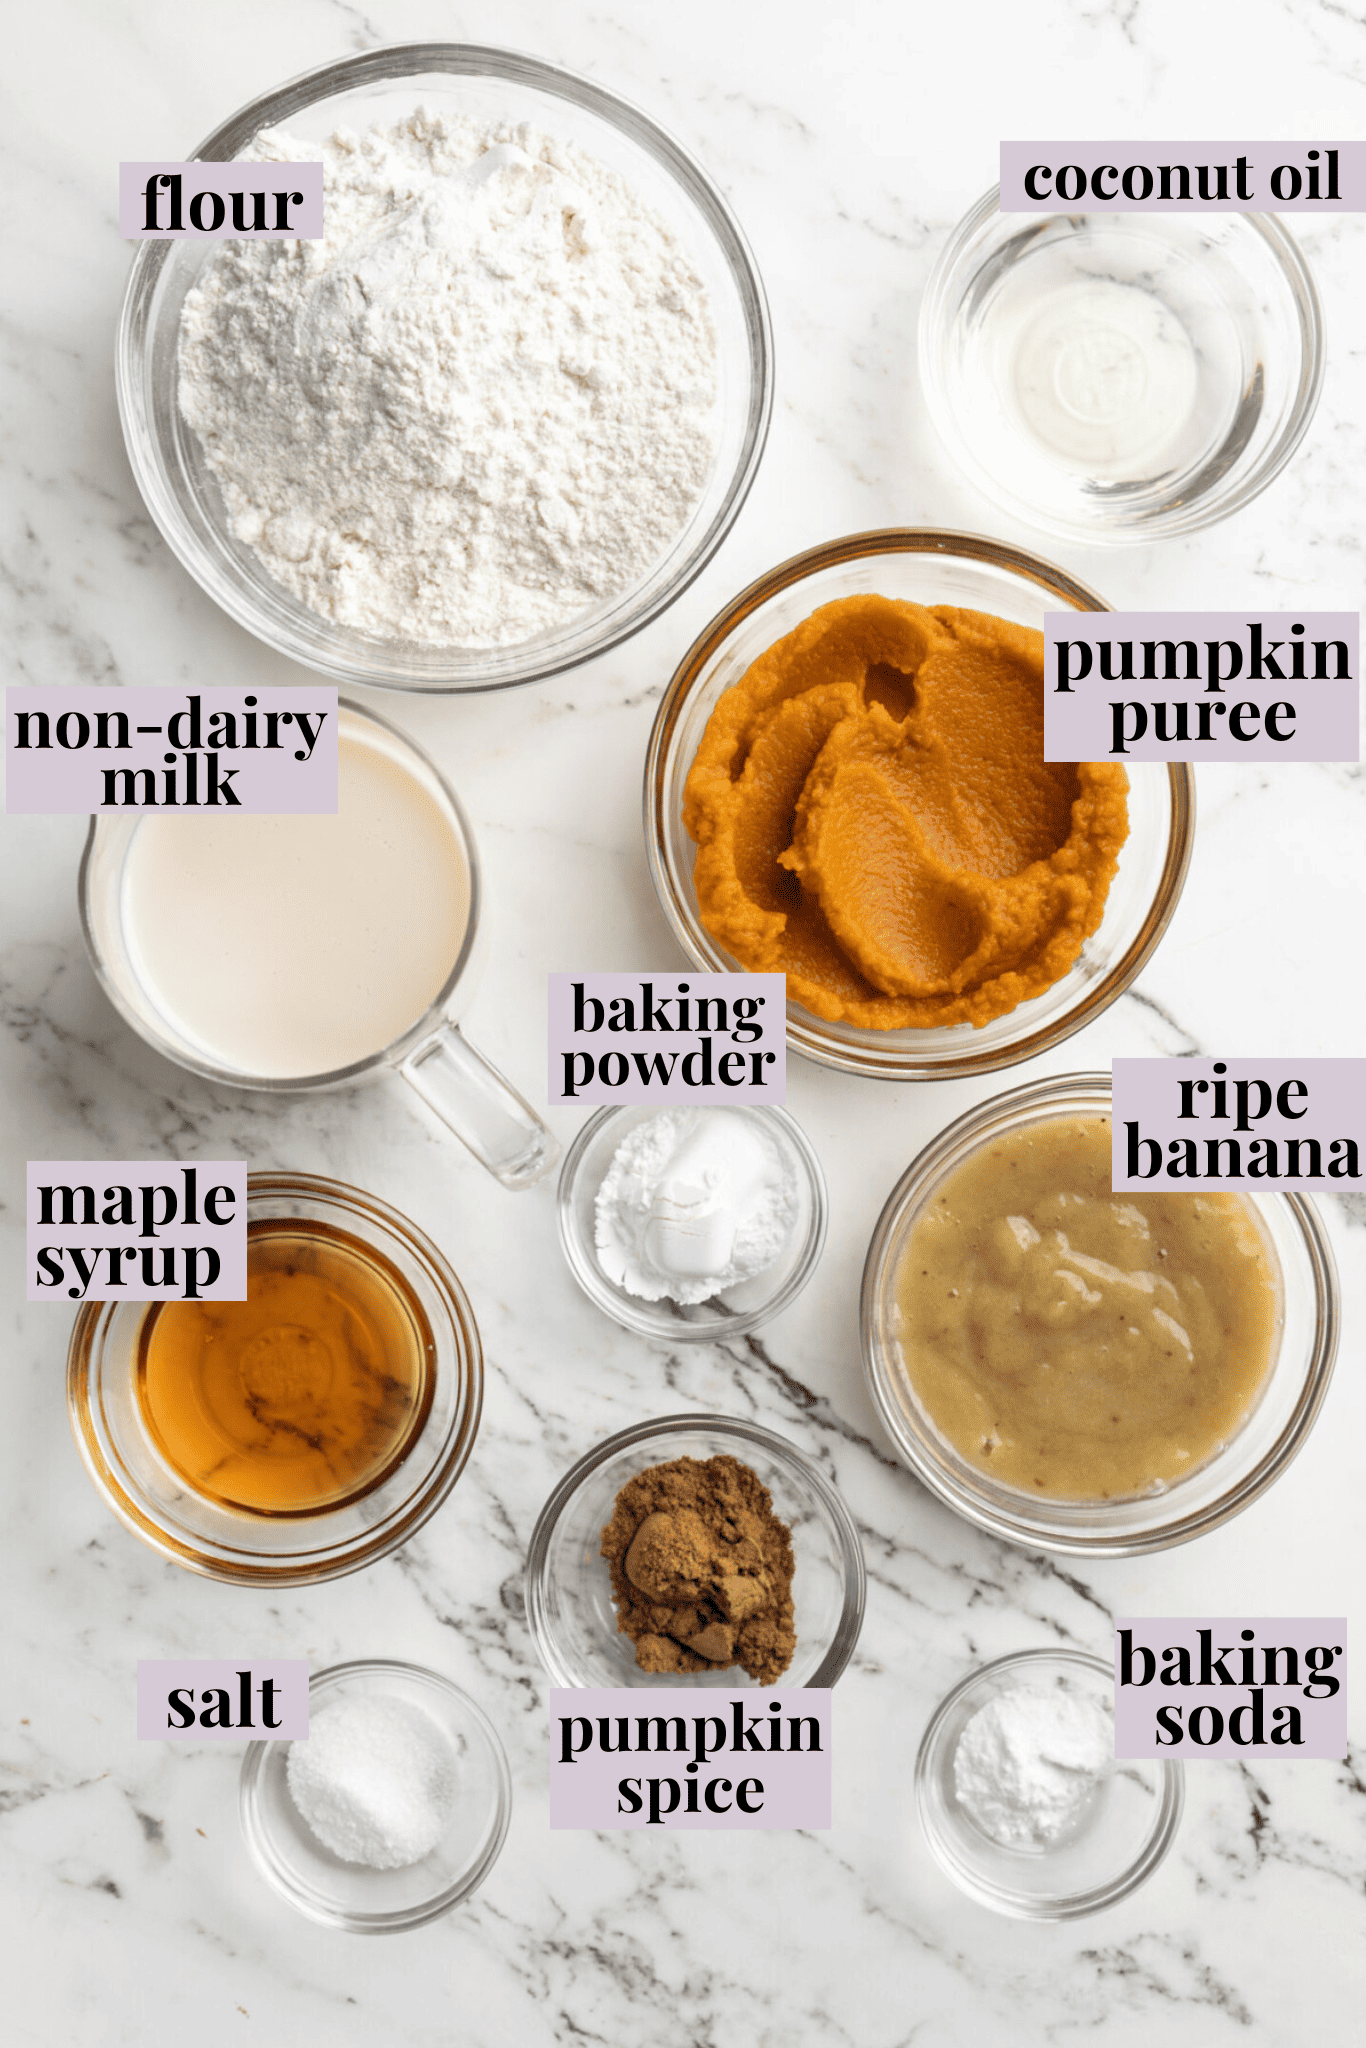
<point>692,1225</point>
<point>392,1810</point>
<point>1022,1800</point>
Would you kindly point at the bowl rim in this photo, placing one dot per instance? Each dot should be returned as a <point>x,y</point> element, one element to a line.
<point>1001,1898</point>
<point>805,1032</point>
<point>233,1567</point>
<point>276,1874</point>
<point>842,1646</point>
<point>958,1489</point>
<point>387,63</point>
<point>1182,517</point>
<point>613,1302</point>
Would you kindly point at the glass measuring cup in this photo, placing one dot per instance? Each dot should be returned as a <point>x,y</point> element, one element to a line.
<point>430,1053</point>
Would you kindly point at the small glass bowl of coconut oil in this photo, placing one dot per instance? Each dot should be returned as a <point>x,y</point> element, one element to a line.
<point>1119,377</point>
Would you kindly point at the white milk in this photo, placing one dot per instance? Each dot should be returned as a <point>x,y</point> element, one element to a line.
<point>288,946</point>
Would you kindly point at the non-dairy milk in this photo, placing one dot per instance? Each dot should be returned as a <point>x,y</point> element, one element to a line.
<point>284,947</point>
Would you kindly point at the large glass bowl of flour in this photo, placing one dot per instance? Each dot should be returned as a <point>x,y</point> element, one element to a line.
<point>377,90</point>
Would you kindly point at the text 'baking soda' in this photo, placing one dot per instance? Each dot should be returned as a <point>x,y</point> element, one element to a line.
<point>1239,1688</point>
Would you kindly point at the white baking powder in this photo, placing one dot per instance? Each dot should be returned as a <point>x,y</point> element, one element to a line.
<point>695,1201</point>
<point>483,404</point>
<point>1029,1764</point>
<point>375,1780</point>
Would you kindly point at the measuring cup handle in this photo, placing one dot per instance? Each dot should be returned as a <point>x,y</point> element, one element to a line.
<point>489,1116</point>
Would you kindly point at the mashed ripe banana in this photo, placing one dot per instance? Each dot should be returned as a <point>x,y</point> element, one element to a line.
<point>1078,1344</point>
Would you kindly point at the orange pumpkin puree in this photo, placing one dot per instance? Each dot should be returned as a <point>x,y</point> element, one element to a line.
<point>874,817</point>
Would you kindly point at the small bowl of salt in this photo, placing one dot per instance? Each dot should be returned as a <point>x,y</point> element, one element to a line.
<point>391,1811</point>
<point>1022,1800</point>
<point>692,1225</point>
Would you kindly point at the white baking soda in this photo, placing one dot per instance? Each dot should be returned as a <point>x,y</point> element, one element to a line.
<point>284,947</point>
<point>1029,1764</point>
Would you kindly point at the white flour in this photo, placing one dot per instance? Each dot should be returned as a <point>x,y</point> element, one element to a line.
<point>483,404</point>
<point>1029,1764</point>
<point>694,1201</point>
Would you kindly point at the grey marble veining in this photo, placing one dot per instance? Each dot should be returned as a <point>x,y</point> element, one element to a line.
<point>849,142</point>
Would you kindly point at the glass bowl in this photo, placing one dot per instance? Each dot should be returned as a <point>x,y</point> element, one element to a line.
<point>1117,377</point>
<point>1120,1841</point>
<point>569,1593</point>
<point>351,1895</point>
<point>384,85</point>
<point>1239,1473</point>
<point>740,1308</point>
<point>925,568</point>
<point>283,1549</point>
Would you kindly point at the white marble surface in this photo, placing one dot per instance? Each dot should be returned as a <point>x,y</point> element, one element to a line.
<point>849,140</point>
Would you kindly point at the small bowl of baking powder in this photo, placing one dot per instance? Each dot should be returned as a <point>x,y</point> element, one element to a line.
<point>1022,1800</point>
<point>692,1225</point>
<point>496,419</point>
<point>391,1811</point>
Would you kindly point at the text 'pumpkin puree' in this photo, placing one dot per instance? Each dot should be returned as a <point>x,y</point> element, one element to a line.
<point>874,817</point>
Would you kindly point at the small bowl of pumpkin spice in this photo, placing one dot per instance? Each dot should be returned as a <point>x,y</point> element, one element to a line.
<point>695,1550</point>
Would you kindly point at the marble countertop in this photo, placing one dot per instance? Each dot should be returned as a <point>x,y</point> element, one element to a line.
<point>849,141</point>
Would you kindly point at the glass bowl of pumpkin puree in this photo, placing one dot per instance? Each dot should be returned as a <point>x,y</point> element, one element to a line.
<point>883,827</point>
<point>1083,1371</point>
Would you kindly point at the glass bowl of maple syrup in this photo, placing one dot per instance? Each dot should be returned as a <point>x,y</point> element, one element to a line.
<point>304,1432</point>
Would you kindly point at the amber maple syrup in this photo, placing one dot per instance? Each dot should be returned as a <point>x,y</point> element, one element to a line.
<point>301,1398</point>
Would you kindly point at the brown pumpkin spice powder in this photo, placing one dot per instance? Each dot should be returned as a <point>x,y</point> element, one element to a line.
<point>702,1570</point>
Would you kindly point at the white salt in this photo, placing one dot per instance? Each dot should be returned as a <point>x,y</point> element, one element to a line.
<point>375,1780</point>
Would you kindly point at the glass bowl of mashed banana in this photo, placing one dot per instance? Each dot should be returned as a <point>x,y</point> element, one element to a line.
<point>496,419</point>
<point>1084,1371</point>
<point>845,783</point>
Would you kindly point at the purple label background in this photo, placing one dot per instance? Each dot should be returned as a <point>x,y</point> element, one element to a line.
<point>1077,726</point>
<point>55,781</point>
<point>1148,1093</point>
<point>1323,1722</point>
<point>306,220</point>
<point>158,1677</point>
<point>796,1783</point>
<point>229,1239</point>
<point>1263,158</point>
<point>771,988</point>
